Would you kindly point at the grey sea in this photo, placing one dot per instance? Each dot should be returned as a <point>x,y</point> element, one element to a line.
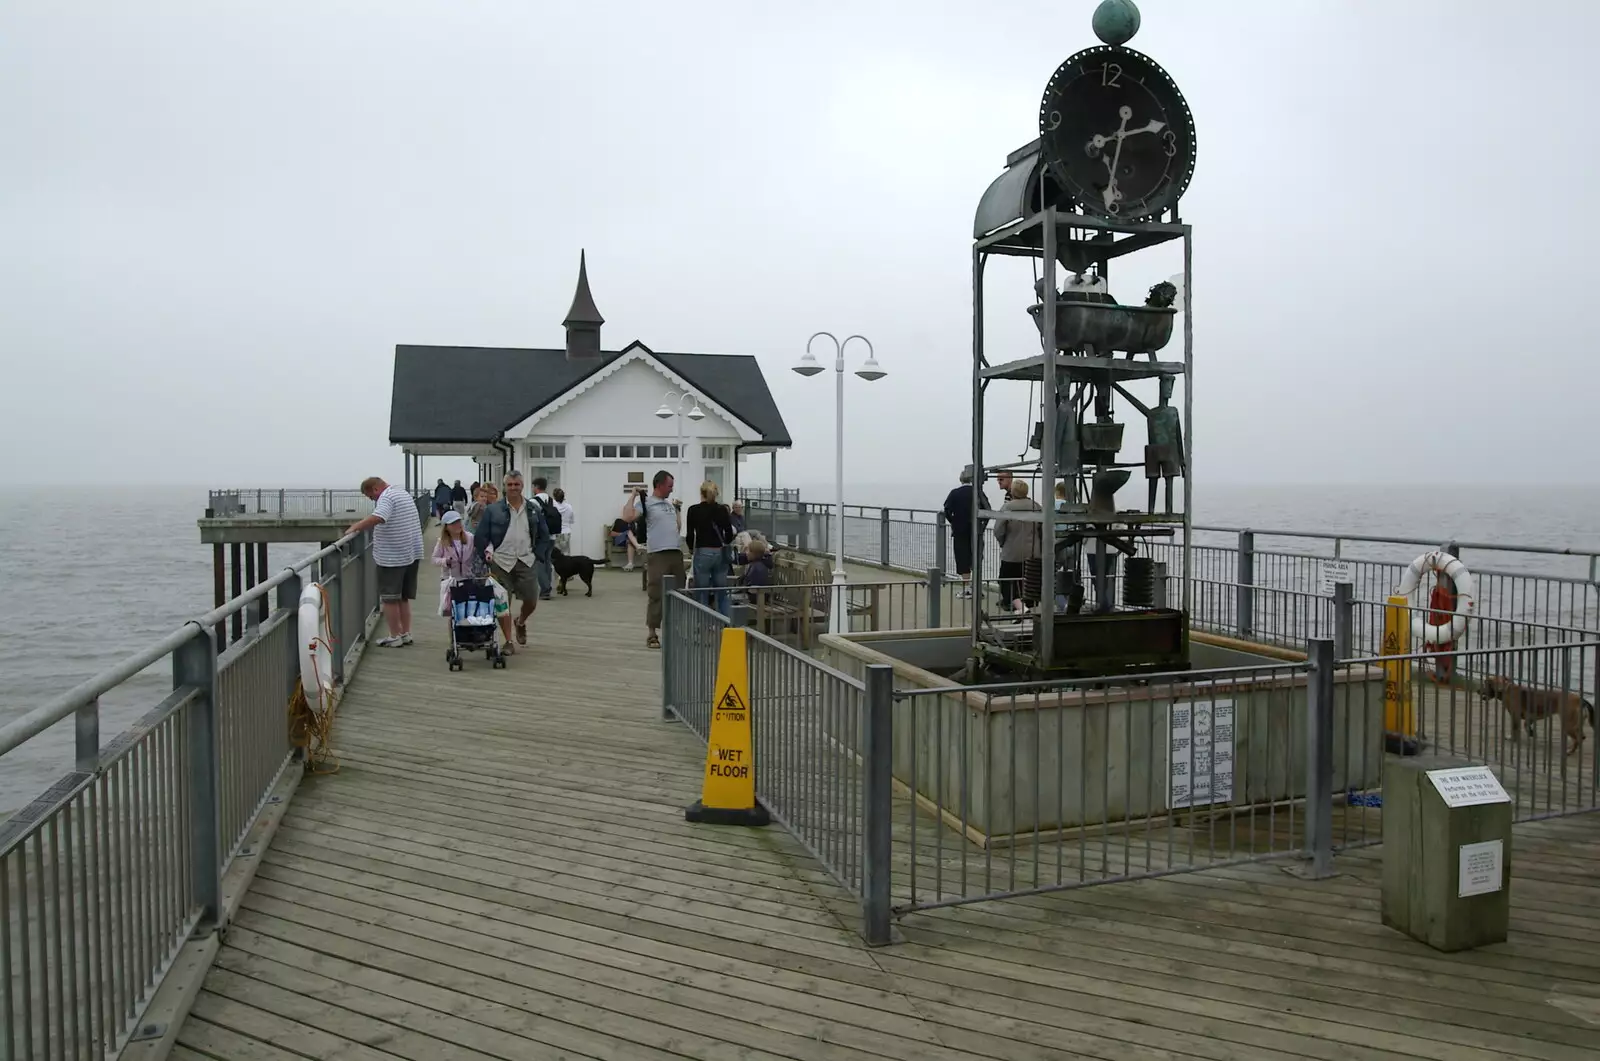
<point>84,587</point>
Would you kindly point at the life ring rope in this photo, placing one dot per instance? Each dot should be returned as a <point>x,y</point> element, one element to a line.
<point>1440,563</point>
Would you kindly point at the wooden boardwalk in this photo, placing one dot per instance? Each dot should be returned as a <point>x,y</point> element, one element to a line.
<point>501,870</point>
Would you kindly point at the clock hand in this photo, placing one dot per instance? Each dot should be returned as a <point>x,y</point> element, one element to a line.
<point>1111,194</point>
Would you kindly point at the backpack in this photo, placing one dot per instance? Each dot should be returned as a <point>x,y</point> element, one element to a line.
<point>552,516</point>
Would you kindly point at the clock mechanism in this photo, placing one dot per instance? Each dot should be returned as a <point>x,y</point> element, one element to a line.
<point>1117,134</point>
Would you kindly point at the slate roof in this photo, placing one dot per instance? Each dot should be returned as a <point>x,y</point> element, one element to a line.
<point>508,385</point>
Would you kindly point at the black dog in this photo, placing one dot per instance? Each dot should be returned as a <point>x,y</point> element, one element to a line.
<point>569,566</point>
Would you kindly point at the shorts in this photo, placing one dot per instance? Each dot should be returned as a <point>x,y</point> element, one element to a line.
<point>398,583</point>
<point>522,581</point>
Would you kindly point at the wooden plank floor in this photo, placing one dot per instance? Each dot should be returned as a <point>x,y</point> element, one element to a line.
<point>501,870</point>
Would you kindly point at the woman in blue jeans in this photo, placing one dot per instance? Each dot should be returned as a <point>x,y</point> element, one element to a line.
<point>709,532</point>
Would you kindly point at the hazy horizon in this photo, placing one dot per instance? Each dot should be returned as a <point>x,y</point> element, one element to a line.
<point>221,219</point>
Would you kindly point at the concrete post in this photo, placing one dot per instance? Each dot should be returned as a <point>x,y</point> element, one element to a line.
<point>935,597</point>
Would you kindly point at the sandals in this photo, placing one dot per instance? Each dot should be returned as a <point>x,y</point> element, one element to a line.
<point>652,641</point>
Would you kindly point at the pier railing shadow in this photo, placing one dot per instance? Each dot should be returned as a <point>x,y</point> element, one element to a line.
<point>119,865</point>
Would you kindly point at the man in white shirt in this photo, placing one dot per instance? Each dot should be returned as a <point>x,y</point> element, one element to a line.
<point>662,541</point>
<point>397,551</point>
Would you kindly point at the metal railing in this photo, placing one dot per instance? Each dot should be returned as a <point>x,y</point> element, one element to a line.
<point>1524,711</point>
<point>1019,789</point>
<point>924,797</point>
<point>814,735</point>
<point>1241,588</point>
<point>113,868</point>
<point>287,504</point>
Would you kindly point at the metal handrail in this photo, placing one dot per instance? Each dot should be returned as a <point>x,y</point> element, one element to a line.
<point>1377,539</point>
<point>20,730</point>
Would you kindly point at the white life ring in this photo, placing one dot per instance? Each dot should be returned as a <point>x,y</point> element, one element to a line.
<point>316,645</point>
<point>1440,562</point>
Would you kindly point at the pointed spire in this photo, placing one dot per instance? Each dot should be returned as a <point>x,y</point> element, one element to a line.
<point>583,319</point>
<point>583,309</point>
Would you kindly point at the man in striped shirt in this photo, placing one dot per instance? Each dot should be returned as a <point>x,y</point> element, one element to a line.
<point>397,551</point>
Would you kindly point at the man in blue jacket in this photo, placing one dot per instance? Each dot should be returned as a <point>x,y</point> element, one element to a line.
<point>513,540</point>
<point>958,517</point>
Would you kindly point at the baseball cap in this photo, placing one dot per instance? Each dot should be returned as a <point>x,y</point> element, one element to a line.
<point>451,517</point>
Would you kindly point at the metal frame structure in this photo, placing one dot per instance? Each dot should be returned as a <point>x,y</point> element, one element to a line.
<point>1050,234</point>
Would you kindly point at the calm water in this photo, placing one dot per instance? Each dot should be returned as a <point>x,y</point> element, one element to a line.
<point>86,587</point>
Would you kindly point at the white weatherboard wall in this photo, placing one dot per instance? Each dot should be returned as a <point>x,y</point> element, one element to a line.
<point>621,410</point>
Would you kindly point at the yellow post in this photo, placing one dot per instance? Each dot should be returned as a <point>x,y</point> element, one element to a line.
<point>1399,714</point>
<point>728,792</point>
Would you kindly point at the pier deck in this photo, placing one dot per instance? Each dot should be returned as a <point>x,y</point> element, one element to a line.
<point>501,870</point>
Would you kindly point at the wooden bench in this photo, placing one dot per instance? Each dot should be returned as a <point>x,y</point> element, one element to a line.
<point>800,600</point>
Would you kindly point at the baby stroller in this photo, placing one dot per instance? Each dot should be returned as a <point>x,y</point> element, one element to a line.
<point>472,621</point>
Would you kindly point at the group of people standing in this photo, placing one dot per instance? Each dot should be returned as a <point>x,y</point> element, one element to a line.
<point>511,539</point>
<point>1021,541</point>
<point>710,530</point>
<point>514,538</point>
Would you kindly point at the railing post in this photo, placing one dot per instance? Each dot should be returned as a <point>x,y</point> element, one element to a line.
<point>86,731</point>
<point>1319,757</point>
<point>669,584</point>
<point>1245,583</point>
<point>333,588</point>
<point>289,598</point>
<point>1161,584</point>
<point>805,526</point>
<point>1344,600</point>
<point>883,536</point>
<point>941,554</point>
<point>878,800</point>
<point>194,666</point>
<point>280,501</point>
<point>935,596</point>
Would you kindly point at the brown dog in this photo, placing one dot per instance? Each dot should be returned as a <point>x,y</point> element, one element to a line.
<point>1527,705</point>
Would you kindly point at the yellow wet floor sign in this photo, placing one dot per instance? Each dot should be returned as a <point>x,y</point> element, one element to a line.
<point>728,794</point>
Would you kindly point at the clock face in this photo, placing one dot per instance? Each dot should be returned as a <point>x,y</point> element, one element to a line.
<point>1117,134</point>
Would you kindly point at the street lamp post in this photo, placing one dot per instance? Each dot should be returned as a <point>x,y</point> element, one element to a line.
<point>672,409</point>
<point>869,370</point>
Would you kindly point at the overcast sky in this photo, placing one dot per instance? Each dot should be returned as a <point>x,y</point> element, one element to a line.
<point>217,220</point>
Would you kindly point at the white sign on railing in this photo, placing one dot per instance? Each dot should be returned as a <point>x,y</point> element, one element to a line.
<point>1336,571</point>
<point>1200,757</point>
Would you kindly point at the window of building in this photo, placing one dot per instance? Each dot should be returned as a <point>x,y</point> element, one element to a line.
<point>714,453</point>
<point>547,451</point>
<point>629,451</point>
<point>549,472</point>
<point>714,474</point>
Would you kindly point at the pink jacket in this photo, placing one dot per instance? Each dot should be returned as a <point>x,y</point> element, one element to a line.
<point>454,557</point>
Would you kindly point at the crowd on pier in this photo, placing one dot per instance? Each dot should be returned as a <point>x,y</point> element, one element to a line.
<point>520,542</point>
